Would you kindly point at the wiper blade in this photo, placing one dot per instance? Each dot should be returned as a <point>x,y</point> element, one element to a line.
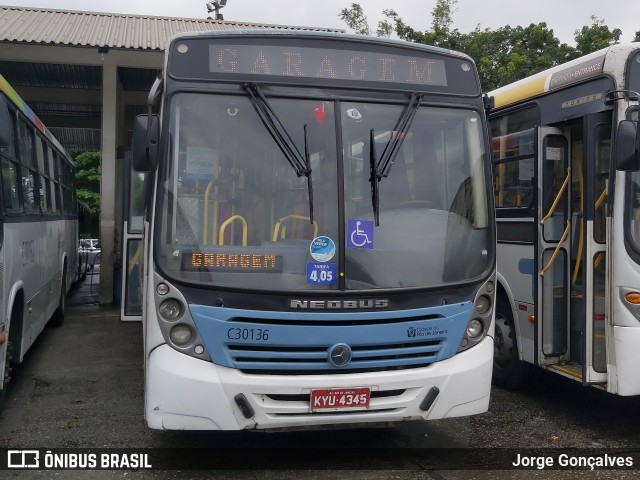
<point>380,168</point>
<point>301,164</point>
<point>307,173</point>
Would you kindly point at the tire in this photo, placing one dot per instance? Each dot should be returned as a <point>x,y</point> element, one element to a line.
<point>508,370</point>
<point>57,320</point>
<point>6,374</point>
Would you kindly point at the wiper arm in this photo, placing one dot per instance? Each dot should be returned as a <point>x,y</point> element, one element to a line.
<point>301,164</point>
<point>380,168</point>
<point>374,179</point>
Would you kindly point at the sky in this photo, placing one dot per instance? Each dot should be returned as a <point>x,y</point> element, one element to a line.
<point>562,16</point>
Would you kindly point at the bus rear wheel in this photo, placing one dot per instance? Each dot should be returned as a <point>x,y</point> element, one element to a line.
<point>8,370</point>
<point>508,370</point>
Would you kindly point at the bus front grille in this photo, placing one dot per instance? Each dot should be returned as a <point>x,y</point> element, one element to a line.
<point>316,359</point>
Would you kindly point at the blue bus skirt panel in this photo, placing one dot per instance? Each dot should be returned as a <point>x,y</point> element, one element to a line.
<point>300,342</point>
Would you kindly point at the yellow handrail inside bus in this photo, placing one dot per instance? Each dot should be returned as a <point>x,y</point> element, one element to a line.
<point>283,234</point>
<point>228,222</point>
<point>576,268</point>
<point>557,199</point>
<point>207,192</point>
<point>600,255</point>
<point>555,252</point>
<point>601,198</point>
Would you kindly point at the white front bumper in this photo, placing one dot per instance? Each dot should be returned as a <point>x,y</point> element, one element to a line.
<point>184,393</point>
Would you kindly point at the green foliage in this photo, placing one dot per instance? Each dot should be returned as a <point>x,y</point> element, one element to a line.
<point>503,55</point>
<point>88,180</point>
<point>355,18</point>
<point>596,36</point>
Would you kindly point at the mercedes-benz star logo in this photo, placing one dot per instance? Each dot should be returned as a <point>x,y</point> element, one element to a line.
<point>340,354</point>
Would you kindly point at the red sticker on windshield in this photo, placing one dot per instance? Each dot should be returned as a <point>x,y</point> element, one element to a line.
<point>319,113</point>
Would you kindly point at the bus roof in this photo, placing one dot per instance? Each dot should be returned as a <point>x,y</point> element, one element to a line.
<point>608,60</point>
<point>21,105</point>
<point>321,34</point>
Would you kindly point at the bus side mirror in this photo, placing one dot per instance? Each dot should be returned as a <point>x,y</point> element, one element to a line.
<point>6,129</point>
<point>627,151</point>
<point>146,138</point>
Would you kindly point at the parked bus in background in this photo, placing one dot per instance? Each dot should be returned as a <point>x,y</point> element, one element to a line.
<point>567,195</point>
<point>38,229</point>
<point>320,246</point>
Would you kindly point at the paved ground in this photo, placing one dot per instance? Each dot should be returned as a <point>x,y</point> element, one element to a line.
<point>81,385</point>
<point>86,292</point>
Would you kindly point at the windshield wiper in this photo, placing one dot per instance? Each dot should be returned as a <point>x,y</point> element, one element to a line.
<point>380,168</point>
<point>301,164</point>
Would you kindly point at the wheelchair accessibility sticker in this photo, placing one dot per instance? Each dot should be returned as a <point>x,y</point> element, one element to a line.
<point>360,234</point>
<point>322,249</point>
<point>321,273</point>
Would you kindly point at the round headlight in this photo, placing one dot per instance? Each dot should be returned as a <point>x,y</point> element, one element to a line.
<point>170,310</point>
<point>483,304</point>
<point>180,335</point>
<point>474,328</point>
<point>162,289</point>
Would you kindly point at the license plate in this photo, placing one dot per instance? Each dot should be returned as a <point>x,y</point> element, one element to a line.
<point>340,399</point>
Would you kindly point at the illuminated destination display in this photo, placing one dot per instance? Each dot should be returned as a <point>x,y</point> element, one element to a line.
<point>326,63</point>
<point>231,262</point>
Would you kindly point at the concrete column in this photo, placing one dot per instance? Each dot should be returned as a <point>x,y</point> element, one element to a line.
<point>108,230</point>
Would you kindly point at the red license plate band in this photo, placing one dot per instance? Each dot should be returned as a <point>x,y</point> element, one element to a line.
<point>340,399</point>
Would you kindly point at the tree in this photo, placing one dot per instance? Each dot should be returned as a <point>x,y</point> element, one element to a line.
<point>595,36</point>
<point>355,19</point>
<point>88,190</point>
<point>503,55</point>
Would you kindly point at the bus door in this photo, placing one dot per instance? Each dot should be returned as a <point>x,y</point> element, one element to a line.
<point>590,269</point>
<point>554,246</point>
<point>133,243</point>
<point>574,169</point>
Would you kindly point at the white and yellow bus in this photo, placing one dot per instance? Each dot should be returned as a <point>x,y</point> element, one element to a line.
<point>38,229</point>
<point>567,194</point>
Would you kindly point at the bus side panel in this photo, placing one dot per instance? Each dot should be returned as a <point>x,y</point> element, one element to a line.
<point>623,334</point>
<point>4,311</point>
<point>53,264</point>
<point>516,265</point>
<point>24,264</point>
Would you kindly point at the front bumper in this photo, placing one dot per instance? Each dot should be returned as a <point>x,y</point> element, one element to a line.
<point>184,393</point>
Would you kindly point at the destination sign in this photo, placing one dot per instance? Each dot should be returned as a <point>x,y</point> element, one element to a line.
<point>231,262</point>
<point>326,63</point>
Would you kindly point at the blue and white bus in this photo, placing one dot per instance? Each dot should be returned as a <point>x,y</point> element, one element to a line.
<point>319,244</point>
<point>38,229</point>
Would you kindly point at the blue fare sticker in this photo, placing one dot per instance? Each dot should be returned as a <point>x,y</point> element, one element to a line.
<point>360,234</point>
<point>322,249</point>
<point>321,273</point>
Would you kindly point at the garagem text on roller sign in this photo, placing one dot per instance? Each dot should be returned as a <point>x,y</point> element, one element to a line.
<point>45,459</point>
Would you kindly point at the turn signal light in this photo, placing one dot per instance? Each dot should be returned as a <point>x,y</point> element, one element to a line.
<point>633,298</point>
<point>531,318</point>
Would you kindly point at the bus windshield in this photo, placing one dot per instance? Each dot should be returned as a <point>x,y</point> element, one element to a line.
<point>236,214</point>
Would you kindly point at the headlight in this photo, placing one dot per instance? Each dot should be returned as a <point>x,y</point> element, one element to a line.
<point>483,304</point>
<point>181,335</point>
<point>170,310</point>
<point>474,328</point>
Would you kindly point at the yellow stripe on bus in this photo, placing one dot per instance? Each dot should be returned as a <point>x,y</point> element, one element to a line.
<point>520,92</point>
